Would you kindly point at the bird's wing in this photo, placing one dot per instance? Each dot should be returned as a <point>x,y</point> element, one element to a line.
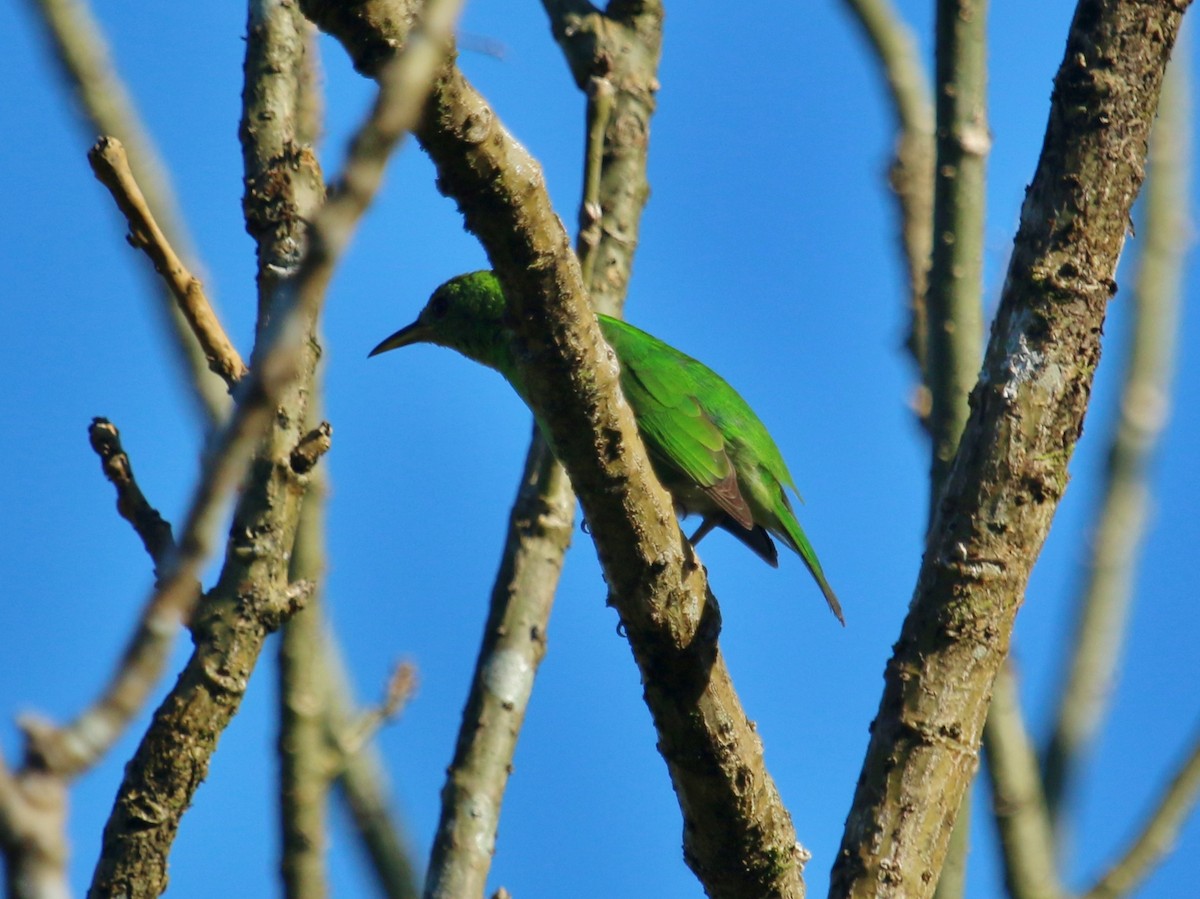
<point>674,426</point>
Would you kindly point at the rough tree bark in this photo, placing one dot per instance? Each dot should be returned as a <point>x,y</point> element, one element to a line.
<point>738,837</point>
<point>1011,468</point>
<point>614,58</point>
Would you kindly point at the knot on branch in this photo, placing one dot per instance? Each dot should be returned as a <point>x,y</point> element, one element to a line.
<point>132,505</point>
<point>311,448</point>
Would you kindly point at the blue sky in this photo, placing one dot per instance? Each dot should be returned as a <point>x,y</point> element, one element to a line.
<point>767,251</point>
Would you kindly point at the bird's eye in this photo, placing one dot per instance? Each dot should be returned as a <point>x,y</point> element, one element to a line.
<point>437,306</point>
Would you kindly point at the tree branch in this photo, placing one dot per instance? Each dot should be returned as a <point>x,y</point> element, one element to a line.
<point>306,761</point>
<point>738,837</point>
<point>81,51</point>
<point>542,517</point>
<point>1157,834</point>
<point>252,595</point>
<point>955,301</point>
<point>1026,837</point>
<point>1011,468</point>
<point>132,505</point>
<point>514,642</point>
<point>69,750</point>
<point>911,172</point>
<point>33,800</point>
<point>283,188</point>
<point>356,732</point>
<point>111,167</point>
<point>363,783</point>
<point>33,827</point>
<point>1106,592</point>
<point>613,57</point>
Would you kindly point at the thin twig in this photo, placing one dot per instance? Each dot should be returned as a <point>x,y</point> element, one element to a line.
<point>306,763</point>
<point>82,53</point>
<point>911,173</point>
<point>600,102</point>
<point>400,689</point>
<point>73,748</point>
<point>111,166</point>
<point>33,800</point>
<point>1106,591</point>
<point>955,297</point>
<point>1158,833</point>
<point>132,504</point>
<point>363,784</point>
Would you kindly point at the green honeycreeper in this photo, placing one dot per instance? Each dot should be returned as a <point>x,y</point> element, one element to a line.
<point>707,446</point>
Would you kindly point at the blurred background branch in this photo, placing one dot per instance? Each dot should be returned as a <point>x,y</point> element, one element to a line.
<point>910,175</point>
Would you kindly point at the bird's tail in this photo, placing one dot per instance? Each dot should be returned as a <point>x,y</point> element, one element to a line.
<point>794,535</point>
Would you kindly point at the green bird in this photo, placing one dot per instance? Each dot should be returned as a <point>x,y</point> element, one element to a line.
<point>706,445</point>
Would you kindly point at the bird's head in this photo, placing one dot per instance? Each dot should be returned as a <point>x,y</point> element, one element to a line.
<point>466,314</point>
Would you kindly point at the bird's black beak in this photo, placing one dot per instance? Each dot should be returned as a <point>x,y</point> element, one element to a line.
<point>414,333</point>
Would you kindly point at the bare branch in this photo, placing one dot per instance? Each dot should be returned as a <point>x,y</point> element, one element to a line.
<point>283,182</point>
<point>613,56</point>
<point>514,643</point>
<point>601,96</point>
<point>252,596</point>
<point>911,174</point>
<point>33,800</point>
<point>952,882</point>
<point>955,297</point>
<point>132,505</point>
<point>400,688</point>
<point>1106,591</point>
<point>283,188</point>
<point>1011,468</point>
<point>315,693</point>
<point>1026,837</point>
<point>73,748</point>
<point>81,51</point>
<point>363,783</point>
<point>953,303</point>
<point>306,761</point>
<point>112,169</point>
<point>1158,833</point>
<point>33,827</point>
<point>542,517</point>
<point>738,837</point>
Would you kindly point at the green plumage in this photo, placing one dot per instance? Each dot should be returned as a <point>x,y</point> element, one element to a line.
<point>706,444</point>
